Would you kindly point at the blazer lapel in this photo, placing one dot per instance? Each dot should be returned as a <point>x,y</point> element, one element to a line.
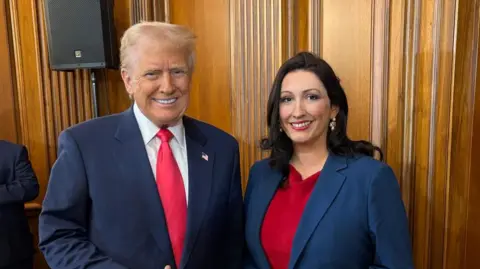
<point>200,177</point>
<point>263,194</point>
<point>326,189</point>
<point>132,160</point>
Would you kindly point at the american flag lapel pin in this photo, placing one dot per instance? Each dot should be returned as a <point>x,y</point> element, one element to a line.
<point>204,156</point>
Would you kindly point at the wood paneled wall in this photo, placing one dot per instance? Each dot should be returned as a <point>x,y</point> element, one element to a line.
<point>410,71</point>
<point>409,67</point>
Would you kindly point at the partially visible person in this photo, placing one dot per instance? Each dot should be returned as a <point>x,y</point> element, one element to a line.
<point>148,187</point>
<point>18,185</point>
<point>321,200</point>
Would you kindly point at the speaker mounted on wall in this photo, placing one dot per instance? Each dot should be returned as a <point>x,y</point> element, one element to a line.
<point>81,34</point>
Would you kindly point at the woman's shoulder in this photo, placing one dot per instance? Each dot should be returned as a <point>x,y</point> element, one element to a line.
<point>366,162</point>
<point>366,167</point>
<point>263,164</point>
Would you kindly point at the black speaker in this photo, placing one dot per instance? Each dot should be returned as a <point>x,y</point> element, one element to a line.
<point>81,34</point>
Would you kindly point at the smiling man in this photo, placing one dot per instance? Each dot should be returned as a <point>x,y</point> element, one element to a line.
<point>149,187</point>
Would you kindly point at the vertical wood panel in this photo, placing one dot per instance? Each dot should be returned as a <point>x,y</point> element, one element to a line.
<point>379,50</point>
<point>314,24</point>
<point>346,45</point>
<point>301,31</point>
<point>473,231</point>
<point>399,39</point>
<point>423,90</point>
<point>409,67</point>
<point>463,101</point>
<point>210,95</point>
<point>439,152</point>
<point>257,51</point>
<point>7,90</point>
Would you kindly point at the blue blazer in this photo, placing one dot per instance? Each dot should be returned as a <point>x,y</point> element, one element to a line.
<point>355,218</point>
<point>102,209</point>
<point>18,184</point>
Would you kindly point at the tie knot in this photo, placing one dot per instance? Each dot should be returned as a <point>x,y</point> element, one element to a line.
<point>165,135</point>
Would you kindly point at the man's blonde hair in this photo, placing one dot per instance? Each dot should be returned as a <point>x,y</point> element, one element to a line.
<point>169,34</point>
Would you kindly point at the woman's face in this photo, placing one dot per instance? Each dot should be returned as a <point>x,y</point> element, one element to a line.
<point>305,110</point>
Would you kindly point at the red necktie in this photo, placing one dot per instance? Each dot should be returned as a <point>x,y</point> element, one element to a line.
<point>172,193</point>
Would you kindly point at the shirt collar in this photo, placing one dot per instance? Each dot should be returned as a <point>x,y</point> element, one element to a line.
<point>149,130</point>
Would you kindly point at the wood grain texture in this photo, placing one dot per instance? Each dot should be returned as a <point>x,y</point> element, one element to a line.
<point>409,67</point>
<point>473,232</point>
<point>8,131</point>
<point>258,48</point>
<point>380,68</point>
<point>300,20</point>
<point>399,55</point>
<point>462,126</point>
<point>345,29</point>
<point>423,90</point>
<point>210,94</point>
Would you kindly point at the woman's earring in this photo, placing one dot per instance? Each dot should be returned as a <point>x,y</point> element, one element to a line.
<point>281,130</point>
<point>333,124</point>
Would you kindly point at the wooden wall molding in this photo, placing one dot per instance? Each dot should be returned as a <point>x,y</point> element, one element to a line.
<point>424,81</point>
<point>409,68</point>
<point>148,10</point>
<point>381,26</point>
<point>314,26</point>
<point>257,51</point>
<point>8,107</point>
<point>461,180</point>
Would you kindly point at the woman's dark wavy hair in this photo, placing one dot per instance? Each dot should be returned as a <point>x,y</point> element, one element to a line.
<point>338,143</point>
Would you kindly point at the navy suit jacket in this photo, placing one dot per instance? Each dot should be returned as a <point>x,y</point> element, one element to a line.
<point>102,208</point>
<point>355,218</point>
<point>18,184</point>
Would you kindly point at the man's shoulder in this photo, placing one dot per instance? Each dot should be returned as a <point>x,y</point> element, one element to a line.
<point>7,146</point>
<point>96,126</point>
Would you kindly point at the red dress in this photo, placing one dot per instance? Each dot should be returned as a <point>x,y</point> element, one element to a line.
<point>283,216</point>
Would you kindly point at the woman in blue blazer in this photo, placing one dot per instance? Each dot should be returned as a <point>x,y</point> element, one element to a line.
<point>320,200</point>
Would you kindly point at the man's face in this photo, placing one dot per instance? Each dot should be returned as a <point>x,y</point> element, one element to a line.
<point>158,78</point>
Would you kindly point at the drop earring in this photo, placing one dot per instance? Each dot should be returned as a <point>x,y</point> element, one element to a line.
<point>333,124</point>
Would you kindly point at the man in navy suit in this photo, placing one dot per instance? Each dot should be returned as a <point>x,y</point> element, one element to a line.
<point>18,185</point>
<point>149,187</point>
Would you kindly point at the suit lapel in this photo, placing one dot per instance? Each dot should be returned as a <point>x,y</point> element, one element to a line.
<point>322,196</point>
<point>263,194</point>
<point>132,160</point>
<point>200,178</point>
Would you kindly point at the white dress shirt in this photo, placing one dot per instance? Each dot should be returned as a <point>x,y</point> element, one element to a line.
<point>152,144</point>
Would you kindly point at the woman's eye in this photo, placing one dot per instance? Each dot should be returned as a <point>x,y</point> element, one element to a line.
<point>285,99</point>
<point>313,97</point>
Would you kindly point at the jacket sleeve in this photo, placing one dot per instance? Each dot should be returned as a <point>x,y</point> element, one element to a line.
<point>388,223</point>
<point>24,186</point>
<point>63,222</point>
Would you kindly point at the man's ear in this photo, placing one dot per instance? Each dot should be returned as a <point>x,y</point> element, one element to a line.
<point>127,80</point>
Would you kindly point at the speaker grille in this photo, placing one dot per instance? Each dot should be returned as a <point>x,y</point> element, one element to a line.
<point>75,33</point>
